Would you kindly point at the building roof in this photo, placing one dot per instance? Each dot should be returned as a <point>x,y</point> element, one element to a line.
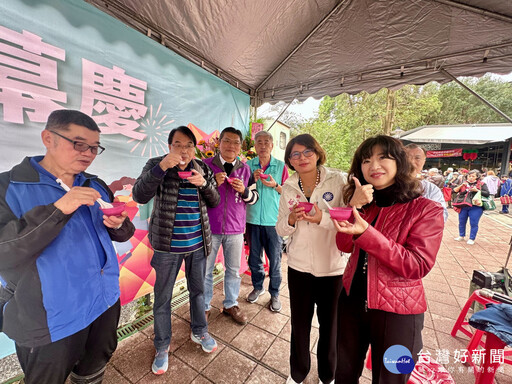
<point>476,134</point>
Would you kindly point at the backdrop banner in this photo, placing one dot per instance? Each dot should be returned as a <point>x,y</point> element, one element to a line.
<point>57,54</point>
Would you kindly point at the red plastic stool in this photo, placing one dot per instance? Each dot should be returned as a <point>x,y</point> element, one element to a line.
<point>476,342</point>
<point>485,375</point>
<point>461,320</point>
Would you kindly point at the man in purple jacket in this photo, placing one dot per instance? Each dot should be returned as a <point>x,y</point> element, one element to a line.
<point>227,220</point>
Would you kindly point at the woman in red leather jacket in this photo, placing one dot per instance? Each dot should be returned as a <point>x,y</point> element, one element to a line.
<point>393,239</point>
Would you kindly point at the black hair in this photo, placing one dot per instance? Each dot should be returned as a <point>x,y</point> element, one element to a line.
<point>60,120</point>
<point>231,130</point>
<point>185,130</point>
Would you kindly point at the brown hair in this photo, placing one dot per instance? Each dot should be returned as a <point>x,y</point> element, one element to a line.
<point>406,186</point>
<point>307,141</point>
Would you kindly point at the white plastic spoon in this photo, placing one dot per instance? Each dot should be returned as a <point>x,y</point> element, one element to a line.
<point>326,203</point>
<point>101,202</point>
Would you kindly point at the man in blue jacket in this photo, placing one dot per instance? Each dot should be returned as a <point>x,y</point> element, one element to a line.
<point>57,256</point>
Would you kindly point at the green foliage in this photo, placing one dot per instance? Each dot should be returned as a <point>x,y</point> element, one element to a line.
<point>143,305</point>
<point>344,121</point>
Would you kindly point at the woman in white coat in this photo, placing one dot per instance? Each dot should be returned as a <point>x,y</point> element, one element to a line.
<point>315,265</point>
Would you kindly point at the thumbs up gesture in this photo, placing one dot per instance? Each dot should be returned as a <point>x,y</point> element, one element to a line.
<point>363,194</point>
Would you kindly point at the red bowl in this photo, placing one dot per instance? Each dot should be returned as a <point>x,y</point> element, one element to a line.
<point>185,174</point>
<point>264,176</point>
<point>307,206</point>
<point>341,213</point>
<point>114,211</point>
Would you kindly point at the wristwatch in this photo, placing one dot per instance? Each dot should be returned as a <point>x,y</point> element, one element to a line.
<point>277,186</point>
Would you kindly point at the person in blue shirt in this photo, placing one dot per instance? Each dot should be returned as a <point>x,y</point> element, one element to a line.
<point>269,174</point>
<point>57,256</point>
<point>506,189</point>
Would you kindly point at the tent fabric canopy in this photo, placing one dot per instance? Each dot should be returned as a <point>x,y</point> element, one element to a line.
<point>476,134</point>
<point>280,50</point>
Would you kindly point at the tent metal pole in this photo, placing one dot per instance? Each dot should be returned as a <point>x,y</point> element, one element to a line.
<point>281,114</point>
<point>480,11</point>
<point>449,75</point>
<point>338,6</point>
<point>505,157</point>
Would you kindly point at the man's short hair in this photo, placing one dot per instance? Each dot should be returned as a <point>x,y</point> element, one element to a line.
<point>410,146</point>
<point>231,130</point>
<point>450,169</point>
<point>433,170</point>
<point>185,130</point>
<point>263,133</point>
<point>60,120</point>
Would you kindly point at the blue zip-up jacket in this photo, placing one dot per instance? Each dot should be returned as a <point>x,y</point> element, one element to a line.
<point>52,261</point>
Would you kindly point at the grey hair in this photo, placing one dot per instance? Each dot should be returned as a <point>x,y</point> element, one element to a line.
<point>263,133</point>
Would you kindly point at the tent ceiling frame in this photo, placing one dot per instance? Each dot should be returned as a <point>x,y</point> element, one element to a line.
<point>474,9</point>
<point>290,55</point>
<point>479,97</point>
<point>258,95</point>
<point>428,64</point>
<point>141,24</point>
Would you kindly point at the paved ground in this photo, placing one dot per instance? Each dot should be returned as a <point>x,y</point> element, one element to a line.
<point>258,352</point>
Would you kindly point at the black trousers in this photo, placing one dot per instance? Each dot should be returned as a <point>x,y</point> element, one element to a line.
<point>357,329</point>
<point>83,353</point>
<point>307,290</point>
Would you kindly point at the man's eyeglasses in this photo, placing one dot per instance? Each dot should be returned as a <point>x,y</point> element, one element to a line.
<point>229,142</point>
<point>307,153</point>
<point>80,146</point>
<point>179,147</point>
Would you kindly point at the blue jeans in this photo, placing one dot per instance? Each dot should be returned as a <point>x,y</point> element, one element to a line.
<point>232,248</point>
<point>264,237</point>
<point>167,266</point>
<point>474,213</point>
<point>504,208</point>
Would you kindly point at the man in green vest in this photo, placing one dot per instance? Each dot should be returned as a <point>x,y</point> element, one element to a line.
<point>269,174</point>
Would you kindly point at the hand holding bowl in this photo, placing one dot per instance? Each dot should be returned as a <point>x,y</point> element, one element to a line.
<point>341,213</point>
<point>116,210</point>
<point>307,206</point>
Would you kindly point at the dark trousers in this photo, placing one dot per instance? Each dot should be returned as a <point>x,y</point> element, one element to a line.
<point>265,237</point>
<point>357,329</point>
<point>307,290</point>
<point>84,353</point>
<point>167,266</point>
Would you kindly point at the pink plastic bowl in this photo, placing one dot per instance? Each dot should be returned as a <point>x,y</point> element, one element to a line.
<point>116,210</point>
<point>341,213</point>
<point>184,174</point>
<point>307,206</point>
<point>263,176</point>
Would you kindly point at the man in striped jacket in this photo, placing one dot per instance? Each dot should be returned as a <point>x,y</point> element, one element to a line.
<point>179,230</point>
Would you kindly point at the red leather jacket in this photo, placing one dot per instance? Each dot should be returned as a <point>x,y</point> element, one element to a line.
<point>402,249</point>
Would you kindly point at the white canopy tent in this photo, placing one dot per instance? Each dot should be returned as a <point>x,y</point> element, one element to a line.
<point>292,49</point>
